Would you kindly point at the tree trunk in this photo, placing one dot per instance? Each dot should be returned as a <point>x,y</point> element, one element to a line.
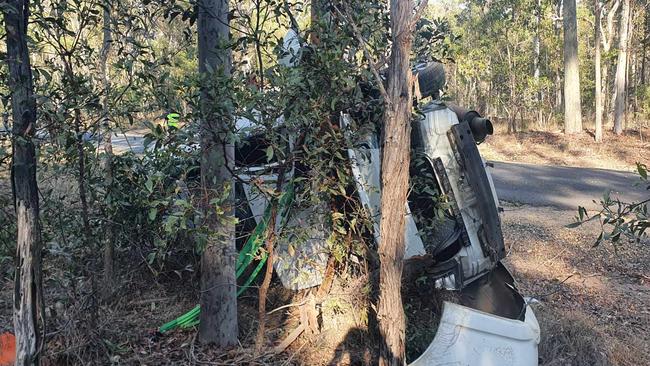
<point>81,155</point>
<point>572,109</point>
<point>537,48</point>
<point>107,161</point>
<point>558,74</point>
<point>28,301</point>
<point>621,70</point>
<point>607,41</point>
<point>268,274</point>
<point>599,90</point>
<point>218,323</point>
<point>645,40</point>
<point>631,70</point>
<point>512,116</point>
<point>396,142</point>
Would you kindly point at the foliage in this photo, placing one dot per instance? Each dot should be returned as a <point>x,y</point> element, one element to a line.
<point>149,205</point>
<point>616,218</point>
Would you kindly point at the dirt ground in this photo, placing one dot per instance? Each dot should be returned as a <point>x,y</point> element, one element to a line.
<point>593,305</point>
<point>556,148</point>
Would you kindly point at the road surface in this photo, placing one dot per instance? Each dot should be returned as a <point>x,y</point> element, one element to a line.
<point>563,187</point>
<point>128,141</point>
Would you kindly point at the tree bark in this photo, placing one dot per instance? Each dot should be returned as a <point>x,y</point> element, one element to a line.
<point>630,86</point>
<point>107,161</point>
<point>621,70</point>
<point>512,116</point>
<point>558,77</point>
<point>218,323</point>
<point>396,142</point>
<point>572,108</point>
<point>597,65</point>
<point>268,274</point>
<point>537,49</point>
<point>645,40</point>
<point>27,291</point>
<point>607,41</point>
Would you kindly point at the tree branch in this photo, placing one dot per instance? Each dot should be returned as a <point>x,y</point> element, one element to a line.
<point>419,10</point>
<point>366,53</point>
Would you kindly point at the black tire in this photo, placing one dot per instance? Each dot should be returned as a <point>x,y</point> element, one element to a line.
<point>431,78</point>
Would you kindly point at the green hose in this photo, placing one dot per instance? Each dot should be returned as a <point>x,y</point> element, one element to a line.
<point>244,259</point>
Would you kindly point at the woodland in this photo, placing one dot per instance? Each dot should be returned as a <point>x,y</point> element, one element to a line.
<point>122,122</point>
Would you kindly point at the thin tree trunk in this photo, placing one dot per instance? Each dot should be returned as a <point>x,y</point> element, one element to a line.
<point>537,47</point>
<point>107,161</point>
<point>79,144</point>
<point>218,323</point>
<point>85,219</point>
<point>396,144</point>
<point>572,108</point>
<point>81,178</point>
<point>607,41</point>
<point>631,70</point>
<point>512,117</point>
<point>645,40</point>
<point>28,301</point>
<point>558,74</point>
<point>621,70</point>
<point>599,90</point>
<point>268,274</point>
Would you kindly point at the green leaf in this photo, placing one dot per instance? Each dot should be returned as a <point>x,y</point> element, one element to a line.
<point>643,170</point>
<point>151,257</point>
<point>598,240</point>
<point>152,213</point>
<point>573,225</point>
<point>269,153</point>
<point>149,185</point>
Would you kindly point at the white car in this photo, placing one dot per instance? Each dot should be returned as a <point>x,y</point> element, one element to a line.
<point>492,324</point>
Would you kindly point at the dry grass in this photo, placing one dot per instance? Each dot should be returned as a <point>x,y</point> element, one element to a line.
<point>556,148</point>
<point>595,307</point>
<point>595,302</point>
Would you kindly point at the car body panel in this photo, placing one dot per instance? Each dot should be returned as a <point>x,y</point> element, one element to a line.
<point>470,337</point>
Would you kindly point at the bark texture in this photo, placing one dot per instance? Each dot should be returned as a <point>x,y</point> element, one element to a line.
<point>218,282</point>
<point>107,161</point>
<point>645,41</point>
<point>27,291</point>
<point>396,143</point>
<point>621,70</point>
<point>607,38</point>
<point>572,108</point>
<point>598,77</point>
<point>537,49</point>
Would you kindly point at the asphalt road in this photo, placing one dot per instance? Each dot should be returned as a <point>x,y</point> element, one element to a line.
<point>563,187</point>
<point>128,141</point>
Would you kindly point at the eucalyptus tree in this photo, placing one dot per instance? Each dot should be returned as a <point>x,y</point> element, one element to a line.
<point>609,10</point>
<point>218,282</point>
<point>598,94</point>
<point>621,69</point>
<point>28,295</point>
<point>572,105</point>
<point>396,142</point>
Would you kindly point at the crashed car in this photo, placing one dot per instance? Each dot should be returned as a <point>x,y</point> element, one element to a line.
<point>493,319</point>
<point>492,323</point>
